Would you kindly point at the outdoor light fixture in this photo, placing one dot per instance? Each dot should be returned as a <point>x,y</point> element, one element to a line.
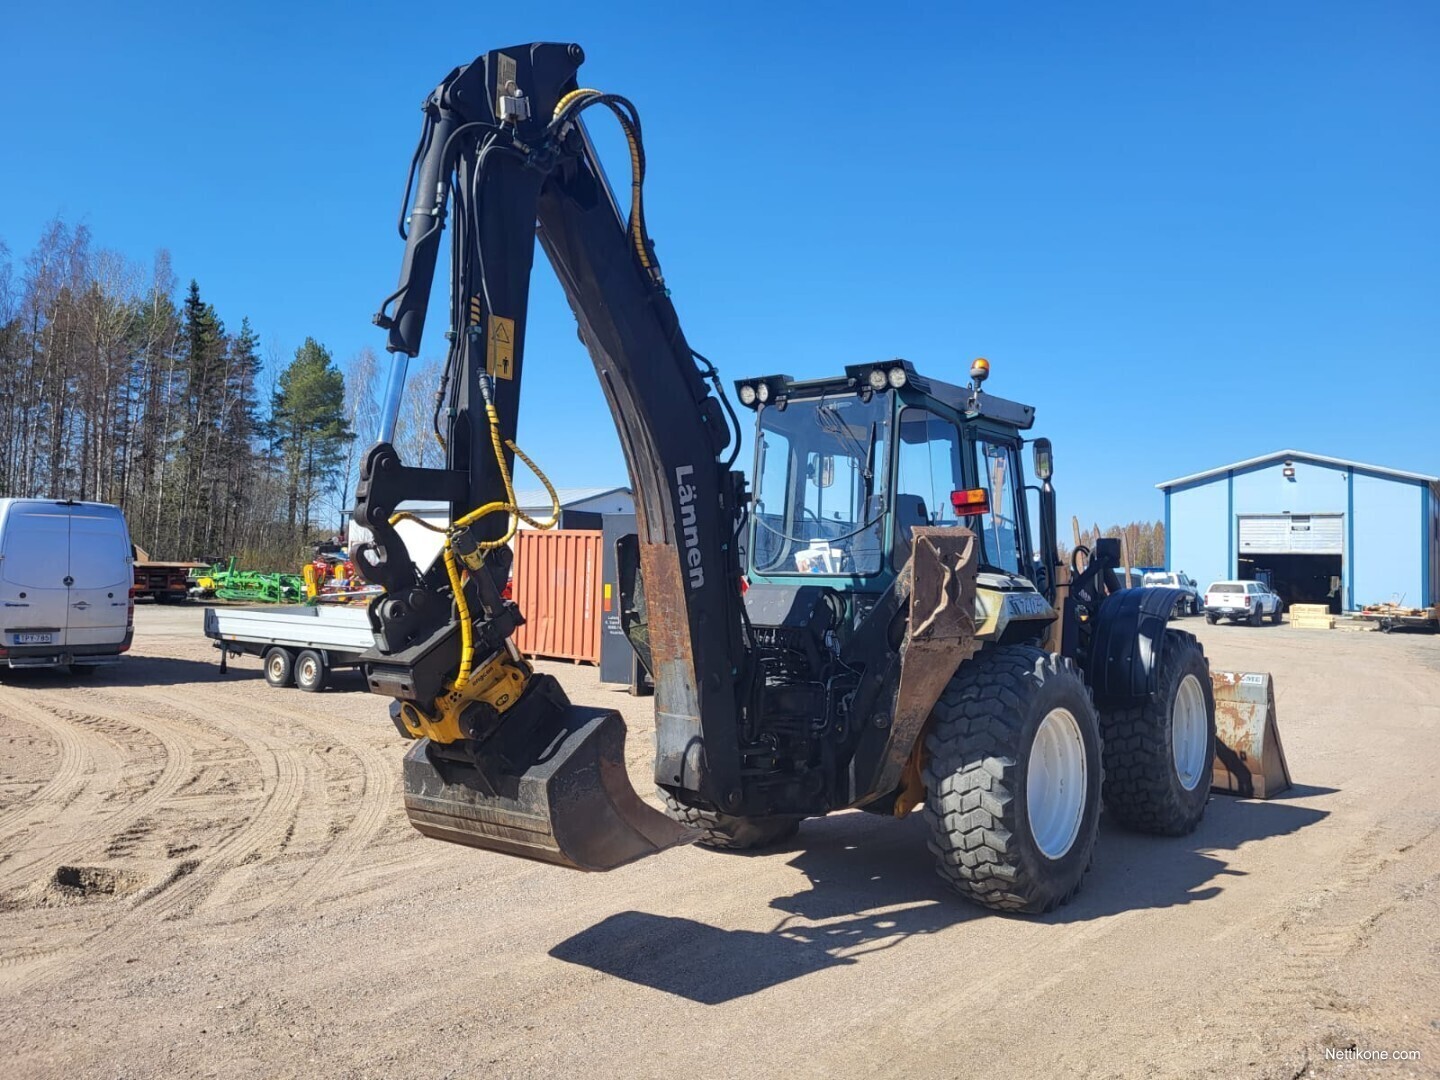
<point>766,390</point>
<point>877,378</point>
<point>980,370</point>
<point>1289,470</point>
<point>897,377</point>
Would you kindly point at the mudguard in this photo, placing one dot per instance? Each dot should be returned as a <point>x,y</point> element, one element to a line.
<point>1125,644</point>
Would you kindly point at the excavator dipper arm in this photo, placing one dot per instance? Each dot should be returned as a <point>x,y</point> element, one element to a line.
<point>504,761</point>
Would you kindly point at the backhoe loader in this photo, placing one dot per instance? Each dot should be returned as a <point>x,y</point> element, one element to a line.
<point>864,623</point>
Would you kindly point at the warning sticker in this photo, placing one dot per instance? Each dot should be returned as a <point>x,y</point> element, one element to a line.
<point>500,348</point>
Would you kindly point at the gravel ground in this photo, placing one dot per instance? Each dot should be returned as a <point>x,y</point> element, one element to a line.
<point>202,876</point>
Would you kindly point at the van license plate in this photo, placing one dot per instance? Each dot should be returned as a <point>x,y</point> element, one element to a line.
<point>34,639</point>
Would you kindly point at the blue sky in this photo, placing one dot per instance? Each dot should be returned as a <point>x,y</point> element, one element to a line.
<point>1188,233</point>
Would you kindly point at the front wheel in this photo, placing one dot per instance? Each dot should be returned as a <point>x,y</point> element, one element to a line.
<point>1013,780</point>
<point>1159,755</point>
<point>728,832</point>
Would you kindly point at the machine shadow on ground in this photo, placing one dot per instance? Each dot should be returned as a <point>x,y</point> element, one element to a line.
<point>871,886</point>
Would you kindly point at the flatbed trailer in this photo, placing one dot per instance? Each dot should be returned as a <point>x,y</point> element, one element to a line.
<point>299,646</point>
<point>1390,617</point>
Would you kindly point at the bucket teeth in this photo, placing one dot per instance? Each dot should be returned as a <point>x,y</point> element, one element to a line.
<point>573,806</point>
<point>1249,757</point>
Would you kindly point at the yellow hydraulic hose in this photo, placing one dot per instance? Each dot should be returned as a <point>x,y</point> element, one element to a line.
<point>508,504</point>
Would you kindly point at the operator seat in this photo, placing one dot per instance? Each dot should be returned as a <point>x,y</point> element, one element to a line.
<point>909,512</point>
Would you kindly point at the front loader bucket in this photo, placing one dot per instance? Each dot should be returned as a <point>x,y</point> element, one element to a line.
<point>574,806</point>
<point>1249,758</point>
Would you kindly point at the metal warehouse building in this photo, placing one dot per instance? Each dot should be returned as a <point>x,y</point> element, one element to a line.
<point>1319,529</point>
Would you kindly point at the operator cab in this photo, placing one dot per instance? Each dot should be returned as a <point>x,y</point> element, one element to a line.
<point>846,467</point>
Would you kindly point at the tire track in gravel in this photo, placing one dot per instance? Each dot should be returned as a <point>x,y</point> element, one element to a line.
<point>282,776</point>
<point>68,773</point>
<point>173,773</point>
<point>74,807</point>
<point>377,773</point>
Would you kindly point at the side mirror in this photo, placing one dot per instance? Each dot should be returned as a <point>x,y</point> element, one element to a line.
<point>1044,460</point>
<point>822,470</point>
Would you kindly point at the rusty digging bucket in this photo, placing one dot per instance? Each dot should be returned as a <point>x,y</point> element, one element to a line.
<point>1249,757</point>
<point>571,804</point>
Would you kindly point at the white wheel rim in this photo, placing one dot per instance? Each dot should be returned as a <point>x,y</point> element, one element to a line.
<point>1055,783</point>
<point>307,671</point>
<point>277,666</point>
<point>1189,733</point>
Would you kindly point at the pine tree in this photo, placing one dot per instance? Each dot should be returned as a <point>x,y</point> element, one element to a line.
<point>308,426</point>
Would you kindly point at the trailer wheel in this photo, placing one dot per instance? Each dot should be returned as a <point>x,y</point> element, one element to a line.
<point>311,671</point>
<point>1013,780</point>
<point>1159,755</point>
<point>727,832</point>
<point>279,666</point>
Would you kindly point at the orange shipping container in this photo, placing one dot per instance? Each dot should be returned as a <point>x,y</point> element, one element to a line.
<point>557,586</point>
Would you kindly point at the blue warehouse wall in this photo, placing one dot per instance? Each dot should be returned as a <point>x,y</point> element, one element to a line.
<point>1388,561</point>
<point>1196,538</point>
<point>1392,525</point>
<point>1316,489</point>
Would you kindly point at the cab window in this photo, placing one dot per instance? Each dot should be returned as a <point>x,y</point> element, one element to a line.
<point>995,470</point>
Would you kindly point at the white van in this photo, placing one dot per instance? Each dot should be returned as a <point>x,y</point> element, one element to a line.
<point>66,571</point>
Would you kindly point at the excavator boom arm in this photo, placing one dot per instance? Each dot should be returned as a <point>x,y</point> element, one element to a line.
<point>504,148</point>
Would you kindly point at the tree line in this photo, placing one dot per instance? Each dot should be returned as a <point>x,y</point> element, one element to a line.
<point>1142,542</point>
<point>118,386</point>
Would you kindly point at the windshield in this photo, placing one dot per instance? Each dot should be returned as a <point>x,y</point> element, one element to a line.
<point>1162,579</point>
<point>819,486</point>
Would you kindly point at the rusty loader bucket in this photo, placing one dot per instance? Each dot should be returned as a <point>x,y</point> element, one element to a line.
<point>1249,758</point>
<point>568,802</point>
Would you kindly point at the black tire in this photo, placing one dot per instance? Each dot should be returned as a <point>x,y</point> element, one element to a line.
<point>1256,617</point>
<point>279,666</point>
<point>1279,614</point>
<point>311,671</point>
<point>982,734</point>
<point>1143,786</point>
<point>726,832</point>
<point>1211,618</point>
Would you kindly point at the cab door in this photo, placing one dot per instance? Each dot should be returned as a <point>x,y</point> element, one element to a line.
<point>34,567</point>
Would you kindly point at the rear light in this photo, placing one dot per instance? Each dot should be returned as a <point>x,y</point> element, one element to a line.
<point>130,612</point>
<point>970,503</point>
<point>1247,601</point>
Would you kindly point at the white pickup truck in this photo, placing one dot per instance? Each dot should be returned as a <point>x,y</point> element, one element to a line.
<point>1236,600</point>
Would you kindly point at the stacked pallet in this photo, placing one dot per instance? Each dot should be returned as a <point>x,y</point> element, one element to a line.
<point>1311,617</point>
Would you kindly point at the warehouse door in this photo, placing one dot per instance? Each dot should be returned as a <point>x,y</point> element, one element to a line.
<point>1301,555</point>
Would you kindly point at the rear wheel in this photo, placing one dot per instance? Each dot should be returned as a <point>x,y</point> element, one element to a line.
<point>1255,617</point>
<point>1211,618</point>
<point>728,832</point>
<point>279,666</point>
<point>1158,756</point>
<point>311,671</point>
<point>1013,780</point>
<point>1276,617</point>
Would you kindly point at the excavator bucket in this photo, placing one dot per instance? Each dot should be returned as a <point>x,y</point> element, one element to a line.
<point>1249,758</point>
<point>573,806</point>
